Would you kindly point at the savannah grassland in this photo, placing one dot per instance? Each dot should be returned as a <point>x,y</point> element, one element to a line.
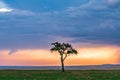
<point>58,75</point>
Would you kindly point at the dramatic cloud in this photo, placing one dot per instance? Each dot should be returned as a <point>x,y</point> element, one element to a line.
<point>5,10</point>
<point>93,21</point>
<point>4,7</point>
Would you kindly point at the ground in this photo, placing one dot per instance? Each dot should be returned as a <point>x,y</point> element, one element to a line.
<point>58,75</point>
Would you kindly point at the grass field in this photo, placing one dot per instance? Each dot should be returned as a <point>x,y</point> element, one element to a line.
<point>58,75</point>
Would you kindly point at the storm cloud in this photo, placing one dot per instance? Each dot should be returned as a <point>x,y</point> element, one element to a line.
<point>93,21</point>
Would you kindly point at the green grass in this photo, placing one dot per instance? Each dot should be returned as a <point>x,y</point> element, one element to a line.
<point>58,75</point>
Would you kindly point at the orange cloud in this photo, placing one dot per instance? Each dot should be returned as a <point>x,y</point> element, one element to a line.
<point>38,57</point>
<point>95,56</point>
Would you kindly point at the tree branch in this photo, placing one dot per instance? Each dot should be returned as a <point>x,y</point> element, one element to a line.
<point>65,57</point>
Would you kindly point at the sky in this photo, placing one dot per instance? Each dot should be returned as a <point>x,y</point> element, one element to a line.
<point>28,27</point>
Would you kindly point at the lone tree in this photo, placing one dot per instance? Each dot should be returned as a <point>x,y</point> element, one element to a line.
<point>64,49</point>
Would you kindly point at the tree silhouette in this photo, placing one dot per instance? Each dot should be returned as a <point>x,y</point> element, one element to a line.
<point>64,49</point>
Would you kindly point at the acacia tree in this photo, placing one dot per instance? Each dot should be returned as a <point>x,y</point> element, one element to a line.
<point>64,49</point>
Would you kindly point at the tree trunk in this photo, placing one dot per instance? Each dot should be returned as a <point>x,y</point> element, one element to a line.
<point>62,63</point>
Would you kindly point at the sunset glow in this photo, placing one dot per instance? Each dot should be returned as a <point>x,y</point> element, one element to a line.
<point>37,57</point>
